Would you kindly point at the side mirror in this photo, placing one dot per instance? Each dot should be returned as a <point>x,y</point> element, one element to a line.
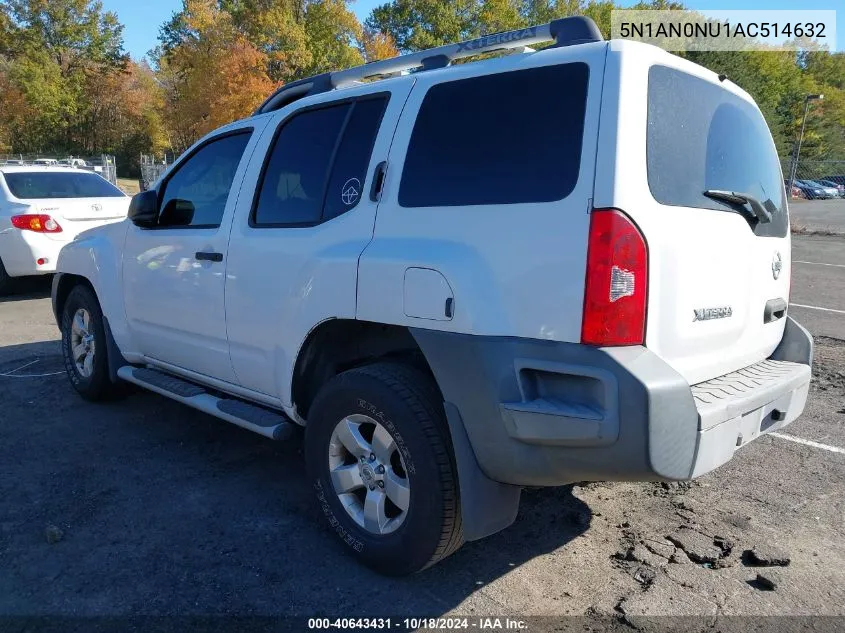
<point>143,210</point>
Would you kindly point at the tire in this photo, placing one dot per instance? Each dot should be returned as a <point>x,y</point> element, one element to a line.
<point>5,281</point>
<point>405,403</point>
<point>92,381</point>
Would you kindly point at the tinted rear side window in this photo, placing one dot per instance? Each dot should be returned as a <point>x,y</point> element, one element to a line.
<point>54,184</point>
<point>506,138</point>
<point>700,137</point>
<point>353,157</point>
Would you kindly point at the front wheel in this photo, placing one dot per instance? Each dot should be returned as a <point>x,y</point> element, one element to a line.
<point>84,346</point>
<point>379,454</point>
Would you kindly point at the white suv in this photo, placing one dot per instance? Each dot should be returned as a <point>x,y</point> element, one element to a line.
<point>554,266</point>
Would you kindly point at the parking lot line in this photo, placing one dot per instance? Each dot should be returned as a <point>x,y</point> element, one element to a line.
<point>799,440</point>
<point>9,374</point>
<point>800,305</point>
<point>798,261</point>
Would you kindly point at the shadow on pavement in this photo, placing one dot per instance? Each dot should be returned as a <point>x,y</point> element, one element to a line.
<point>26,288</point>
<point>163,510</point>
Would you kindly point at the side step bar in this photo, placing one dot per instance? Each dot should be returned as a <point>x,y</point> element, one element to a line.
<point>272,424</point>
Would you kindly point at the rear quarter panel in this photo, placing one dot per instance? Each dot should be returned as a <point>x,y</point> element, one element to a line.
<point>514,269</point>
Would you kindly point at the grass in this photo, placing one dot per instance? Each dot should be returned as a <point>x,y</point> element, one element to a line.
<point>128,186</point>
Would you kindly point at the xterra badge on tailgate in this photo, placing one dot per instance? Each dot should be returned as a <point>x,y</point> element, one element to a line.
<point>705,314</point>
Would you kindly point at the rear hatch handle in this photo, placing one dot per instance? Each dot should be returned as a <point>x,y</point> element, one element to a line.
<point>746,202</point>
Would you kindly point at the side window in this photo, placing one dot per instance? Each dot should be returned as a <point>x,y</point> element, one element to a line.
<point>353,157</point>
<point>195,194</point>
<point>317,164</point>
<point>505,138</point>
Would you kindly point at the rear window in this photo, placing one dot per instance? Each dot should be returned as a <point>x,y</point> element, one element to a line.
<point>701,137</point>
<point>53,184</point>
<point>506,138</point>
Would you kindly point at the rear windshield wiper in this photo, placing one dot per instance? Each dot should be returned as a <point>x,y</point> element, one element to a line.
<point>749,203</point>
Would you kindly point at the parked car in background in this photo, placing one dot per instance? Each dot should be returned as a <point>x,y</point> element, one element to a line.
<point>813,190</point>
<point>44,208</point>
<point>834,185</point>
<point>839,180</point>
<point>73,162</point>
<point>45,162</point>
<point>796,192</point>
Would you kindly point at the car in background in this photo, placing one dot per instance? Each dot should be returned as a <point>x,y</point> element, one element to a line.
<point>44,208</point>
<point>813,190</point>
<point>73,162</point>
<point>45,162</point>
<point>835,185</point>
<point>839,180</point>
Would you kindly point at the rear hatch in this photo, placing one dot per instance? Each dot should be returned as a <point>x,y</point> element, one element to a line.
<point>719,275</point>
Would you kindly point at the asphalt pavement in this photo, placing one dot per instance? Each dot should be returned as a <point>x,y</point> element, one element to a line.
<point>144,507</point>
<point>826,216</point>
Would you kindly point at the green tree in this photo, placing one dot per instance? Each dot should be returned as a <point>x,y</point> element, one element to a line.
<point>50,48</point>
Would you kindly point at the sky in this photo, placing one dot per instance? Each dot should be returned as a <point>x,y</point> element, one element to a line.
<point>142,18</point>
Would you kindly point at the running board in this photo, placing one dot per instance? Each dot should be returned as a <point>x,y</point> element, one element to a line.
<point>272,424</point>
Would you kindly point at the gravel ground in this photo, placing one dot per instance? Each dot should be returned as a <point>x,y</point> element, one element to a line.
<point>145,507</point>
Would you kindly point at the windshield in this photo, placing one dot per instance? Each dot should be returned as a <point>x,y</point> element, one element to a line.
<point>26,185</point>
<point>703,137</point>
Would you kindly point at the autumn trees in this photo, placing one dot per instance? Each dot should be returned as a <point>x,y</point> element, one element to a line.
<point>67,85</point>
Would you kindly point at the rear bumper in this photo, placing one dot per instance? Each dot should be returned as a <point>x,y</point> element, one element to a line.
<point>21,251</point>
<point>544,413</point>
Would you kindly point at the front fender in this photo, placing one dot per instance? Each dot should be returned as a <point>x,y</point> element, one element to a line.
<point>97,256</point>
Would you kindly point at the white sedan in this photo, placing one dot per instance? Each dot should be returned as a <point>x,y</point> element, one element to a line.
<point>44,208</point>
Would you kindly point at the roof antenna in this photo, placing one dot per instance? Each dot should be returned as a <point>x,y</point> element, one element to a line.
<point>722,77</point>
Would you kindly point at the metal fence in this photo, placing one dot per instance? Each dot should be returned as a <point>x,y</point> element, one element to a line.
<point>815,179</point>
<point>152,167</point>
<point>102,164</point>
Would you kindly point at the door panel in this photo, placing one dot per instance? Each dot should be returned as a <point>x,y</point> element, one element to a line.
<point>173,285</point>
<point>296,263</point>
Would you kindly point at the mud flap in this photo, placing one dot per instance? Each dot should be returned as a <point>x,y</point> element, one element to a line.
<point>114,358</point>
<point>487,506</point>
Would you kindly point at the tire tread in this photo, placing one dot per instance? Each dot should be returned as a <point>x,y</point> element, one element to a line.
<point>420,394</point>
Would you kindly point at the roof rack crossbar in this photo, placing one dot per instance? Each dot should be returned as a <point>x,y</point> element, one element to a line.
<point>564,32</point>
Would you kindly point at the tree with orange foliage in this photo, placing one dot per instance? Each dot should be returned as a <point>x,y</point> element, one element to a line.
<point>211,75</point>
<point>376,45</point>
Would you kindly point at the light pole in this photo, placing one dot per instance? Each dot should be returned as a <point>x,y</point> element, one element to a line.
<point>794,169</point>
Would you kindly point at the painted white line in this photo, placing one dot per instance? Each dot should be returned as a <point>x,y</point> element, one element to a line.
<point>55,373</point>
<point>14,374</point>
<point>824,447</point>
<point>19,368</point>
<point>798,261</point>
<point>799,305</point>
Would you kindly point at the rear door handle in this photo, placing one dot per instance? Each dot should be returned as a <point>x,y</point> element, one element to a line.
<point>775,309</point>
<point>209,257</point>
<point>378,181</point>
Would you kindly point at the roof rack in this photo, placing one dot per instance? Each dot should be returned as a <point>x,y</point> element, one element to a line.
<point>565,32</point>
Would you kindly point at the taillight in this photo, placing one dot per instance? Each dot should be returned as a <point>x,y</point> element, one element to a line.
<point>617,281</point>
<point>37,222</point>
